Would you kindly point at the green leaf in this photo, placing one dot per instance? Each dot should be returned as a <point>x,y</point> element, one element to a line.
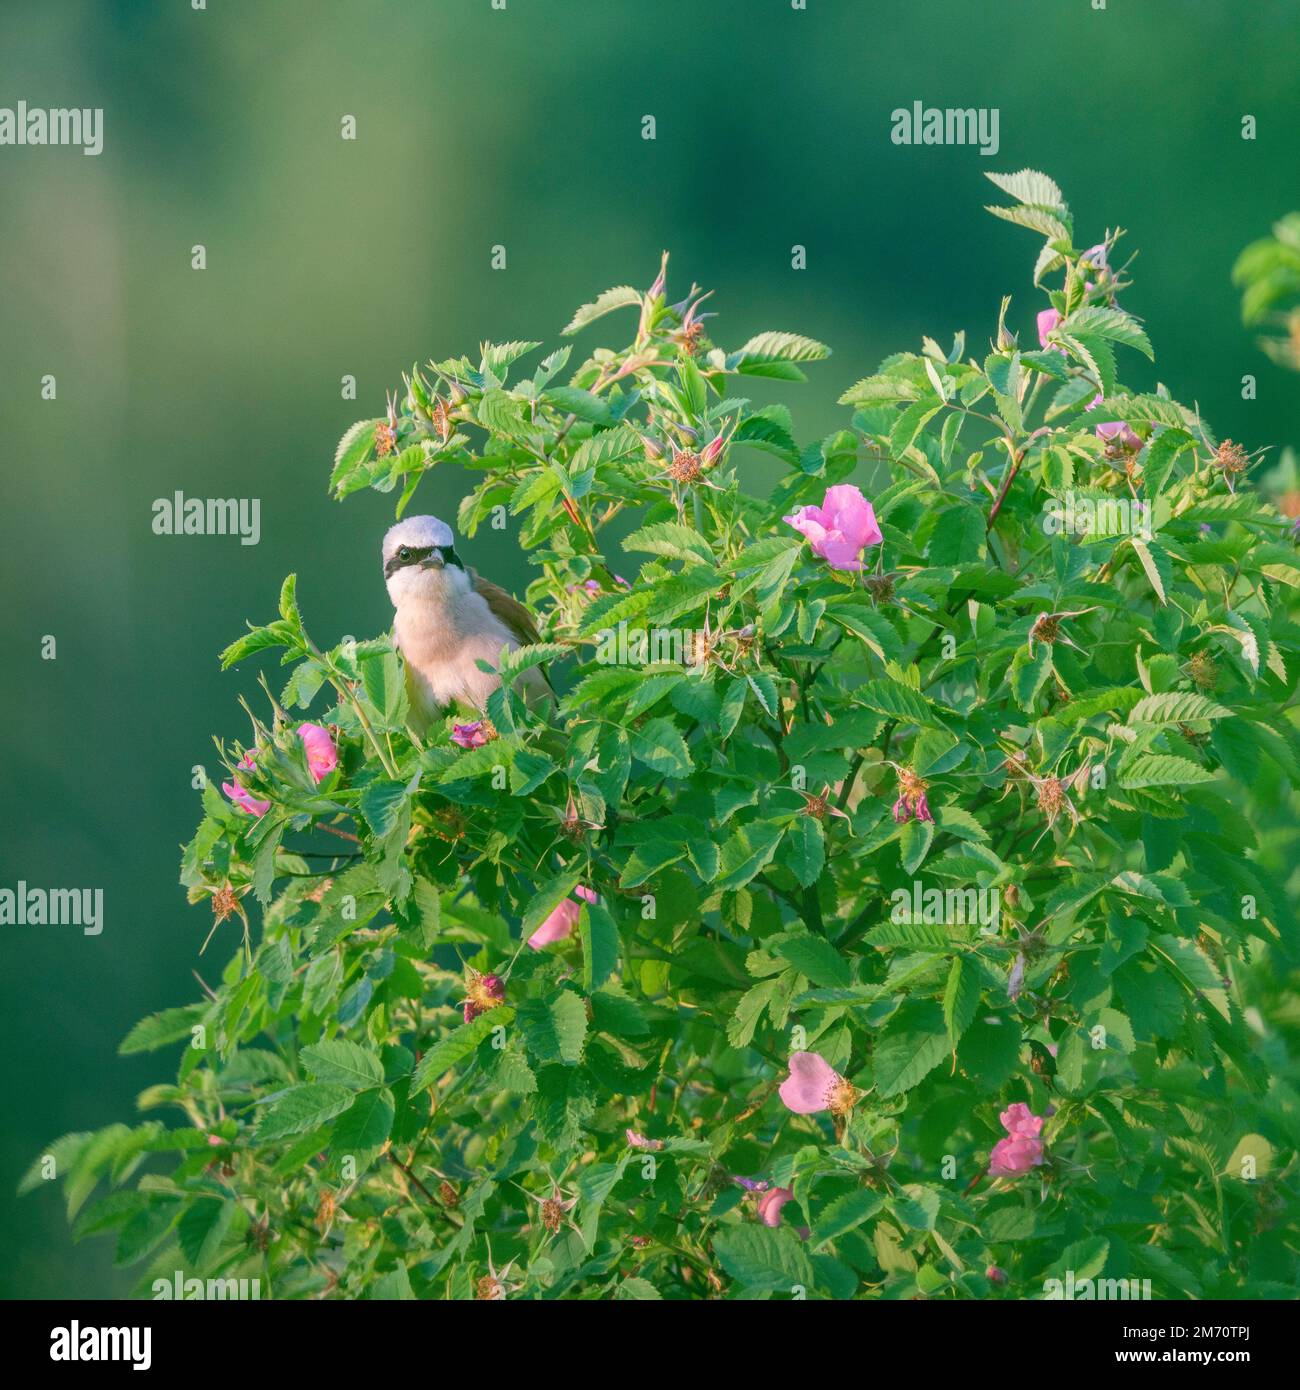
<point>961,998</point>
<point>202,1228</point>
<point>749,851</point>
<point>303,1108</point>
<point>816,958</point>
<point>600,945</point>
<point>1162,770</point>
<point>547,898</point>
<point>162,1029</point>
<point>764,1259</point>
<point>661,747</point>
<point>669,539</point>
<point>845,1214</point>
<point>805,849</point>
<point>343,1063</point>
<point>896,700</point>
<point>366,1125</point>
<point>1176,707</point>
<point>620,297</point>
<point>555,1030</point>
<point>459,1044</point>
<point>911,1045</point>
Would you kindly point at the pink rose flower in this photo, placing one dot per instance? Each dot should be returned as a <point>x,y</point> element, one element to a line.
<point>562,920</point>
<point>841,528</point>
<point>1118,430</point>
<point>1022,1149</point>
<point>813,1085</point>
<point>1047,320</point>
<point>322,756</point>
<point>469,735</point>
<point>1115,429</point>
<point>241,796</point>
<point>770,1204</point>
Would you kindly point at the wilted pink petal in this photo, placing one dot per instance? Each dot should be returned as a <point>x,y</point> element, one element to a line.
<point>841,528</point>
<point>586,894</point>
<point>1047,320</point>
<point>922,808</point>
<point>469,735</point>
<point>807,1089</point>
<point>1016,981</point>
<point>995,1275</point>
<point>770,1204</point>
<point>752,1184</point>
<point>902,810</point>
<point>322,756</point>
<point>639,1141</point>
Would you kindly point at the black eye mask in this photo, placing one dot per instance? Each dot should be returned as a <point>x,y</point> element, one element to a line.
<point>416,555</point>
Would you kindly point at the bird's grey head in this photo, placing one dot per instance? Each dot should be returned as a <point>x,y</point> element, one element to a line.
<point>420,560</point>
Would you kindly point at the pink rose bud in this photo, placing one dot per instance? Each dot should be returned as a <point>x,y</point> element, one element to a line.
<point>1047,320</point>
<point>770,1204</point>
<point>241,796</point>
<point>841,528</point>
<point>322,756</point>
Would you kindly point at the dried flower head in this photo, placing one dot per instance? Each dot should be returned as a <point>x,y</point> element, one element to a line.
<point>685,467</point>
<point>325,1210</point>
<point>441,418</point>
<point>911,796</point>
<point>880,587</point>
<point>482,993</point>
<point>1203,670</point>
<point>225,902</point>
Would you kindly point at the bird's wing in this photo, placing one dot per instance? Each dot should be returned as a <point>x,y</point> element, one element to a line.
<point>517,619</point>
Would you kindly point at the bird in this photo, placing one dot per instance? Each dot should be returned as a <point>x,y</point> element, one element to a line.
<point>447,619</point>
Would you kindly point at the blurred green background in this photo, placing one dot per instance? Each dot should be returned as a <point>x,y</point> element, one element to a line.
<point>478,126</point>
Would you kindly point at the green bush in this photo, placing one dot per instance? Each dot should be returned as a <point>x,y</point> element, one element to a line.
<point>977,833</point>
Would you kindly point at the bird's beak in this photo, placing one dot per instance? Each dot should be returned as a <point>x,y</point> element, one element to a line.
<point>433,561</point>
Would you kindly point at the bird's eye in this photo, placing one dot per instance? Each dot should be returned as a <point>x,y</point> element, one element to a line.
<point>404,553</point>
